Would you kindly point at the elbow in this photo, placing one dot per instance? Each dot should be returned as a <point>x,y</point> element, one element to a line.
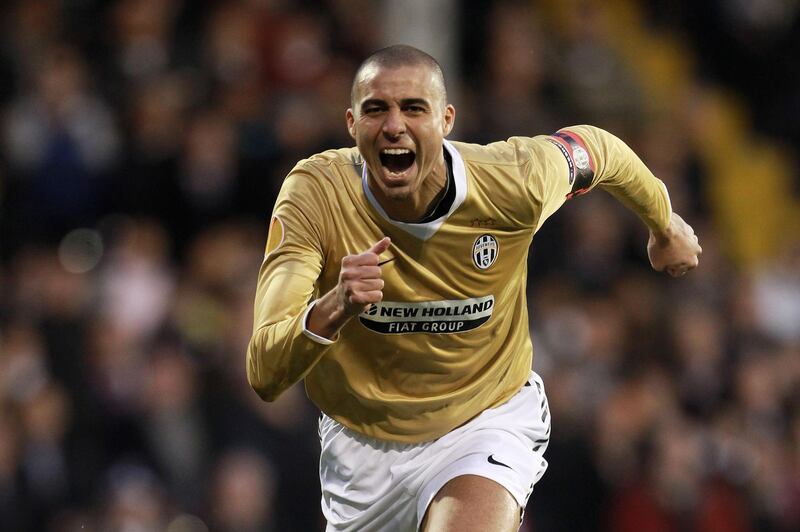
<point>267,394</point>
<point>267,389</point>
<point>267,384</point>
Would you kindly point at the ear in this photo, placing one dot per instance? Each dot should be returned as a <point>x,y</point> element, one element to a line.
<point>449,119</point>
<point>351,122</point>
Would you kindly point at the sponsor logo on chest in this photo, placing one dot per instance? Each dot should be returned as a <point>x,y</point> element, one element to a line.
<point>447,316</point>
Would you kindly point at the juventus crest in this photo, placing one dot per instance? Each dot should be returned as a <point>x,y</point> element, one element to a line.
<point>484,251</point>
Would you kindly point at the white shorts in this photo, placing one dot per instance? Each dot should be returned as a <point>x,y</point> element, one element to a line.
<point>377,485</point>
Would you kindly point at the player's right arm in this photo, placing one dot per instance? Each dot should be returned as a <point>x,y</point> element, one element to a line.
<point>280,352</point>
<point>290,332</point>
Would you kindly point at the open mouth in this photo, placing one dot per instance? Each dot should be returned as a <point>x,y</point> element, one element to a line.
<point>397,160</point>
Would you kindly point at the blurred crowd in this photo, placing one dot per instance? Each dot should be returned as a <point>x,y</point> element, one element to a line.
<point>142,143</point>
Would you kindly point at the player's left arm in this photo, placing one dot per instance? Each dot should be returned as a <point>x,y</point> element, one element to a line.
<point>597,158</point>
<point>675,250</point>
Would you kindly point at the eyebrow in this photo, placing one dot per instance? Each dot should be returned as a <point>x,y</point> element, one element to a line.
<point>403,102</point>
<point>415,101</point>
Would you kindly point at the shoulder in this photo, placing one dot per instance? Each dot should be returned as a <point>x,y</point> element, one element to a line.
<point>325,169</point>
<point>524,153</point>
<point>501,152</point>
<point>334,158</point>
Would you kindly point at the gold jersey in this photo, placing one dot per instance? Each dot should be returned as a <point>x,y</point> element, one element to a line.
<point>450,338</point>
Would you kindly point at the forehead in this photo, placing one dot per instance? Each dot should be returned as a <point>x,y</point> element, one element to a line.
<point>398,82</point>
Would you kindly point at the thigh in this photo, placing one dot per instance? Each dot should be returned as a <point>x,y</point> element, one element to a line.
<point>361,490</point>
<point>499,453</point>
<point>472,503</point>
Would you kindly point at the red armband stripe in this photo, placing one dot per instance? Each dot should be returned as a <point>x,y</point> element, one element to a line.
<point>579,160</point>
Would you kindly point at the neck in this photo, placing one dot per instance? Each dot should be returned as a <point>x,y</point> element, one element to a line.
<point>418,204</point>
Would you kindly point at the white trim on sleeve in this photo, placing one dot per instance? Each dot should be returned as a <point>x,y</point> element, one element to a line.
<point>315,337</point>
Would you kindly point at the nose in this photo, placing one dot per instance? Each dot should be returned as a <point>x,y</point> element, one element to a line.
<point>394,125</point>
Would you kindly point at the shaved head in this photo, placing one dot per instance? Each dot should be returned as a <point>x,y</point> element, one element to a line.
<point>399,119</point>
<point>398,55</point>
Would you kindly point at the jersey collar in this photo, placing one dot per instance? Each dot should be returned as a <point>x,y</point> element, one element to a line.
<point>424,231</point>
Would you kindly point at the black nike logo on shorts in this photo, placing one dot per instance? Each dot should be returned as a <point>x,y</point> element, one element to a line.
<point>495,462</point>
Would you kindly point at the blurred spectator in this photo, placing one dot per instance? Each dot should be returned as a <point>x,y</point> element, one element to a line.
<point>677,494</point>
<point>14,503</point>
<point>174,423</point>
<point>208,170</point>
<point>148,182</point>
<point>134,500</point>
<point>142,30</point>
<point>777,296</point>
<point>516,95</point>
<point>61,140</point>
<point>242,494</point>
<point>598,86</point>
<point>702,356</point>
<point>136,282</point>
<point>46,418</point>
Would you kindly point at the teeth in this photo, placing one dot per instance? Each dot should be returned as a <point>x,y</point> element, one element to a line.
<point>395,151</point>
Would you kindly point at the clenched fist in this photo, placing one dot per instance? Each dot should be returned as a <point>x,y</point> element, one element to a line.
<point>360,282</point>
<point>360,285</point>
<point>676,251</point>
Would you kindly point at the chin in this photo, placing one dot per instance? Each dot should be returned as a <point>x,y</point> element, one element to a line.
<point>397,194</point>
<point>401,188</point>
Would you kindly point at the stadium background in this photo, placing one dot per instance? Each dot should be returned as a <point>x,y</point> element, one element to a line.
<point>142,143</point>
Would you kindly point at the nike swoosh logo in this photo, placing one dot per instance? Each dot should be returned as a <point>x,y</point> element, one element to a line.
<point>495,462</point>
<point>387,260</point>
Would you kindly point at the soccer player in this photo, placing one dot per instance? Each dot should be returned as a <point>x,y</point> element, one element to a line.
<point>394,284</point>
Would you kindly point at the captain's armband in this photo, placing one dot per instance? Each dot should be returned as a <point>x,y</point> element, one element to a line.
<point>579,161</point>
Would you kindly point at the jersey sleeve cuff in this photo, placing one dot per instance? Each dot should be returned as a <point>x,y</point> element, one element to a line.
<point>315,337</point>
